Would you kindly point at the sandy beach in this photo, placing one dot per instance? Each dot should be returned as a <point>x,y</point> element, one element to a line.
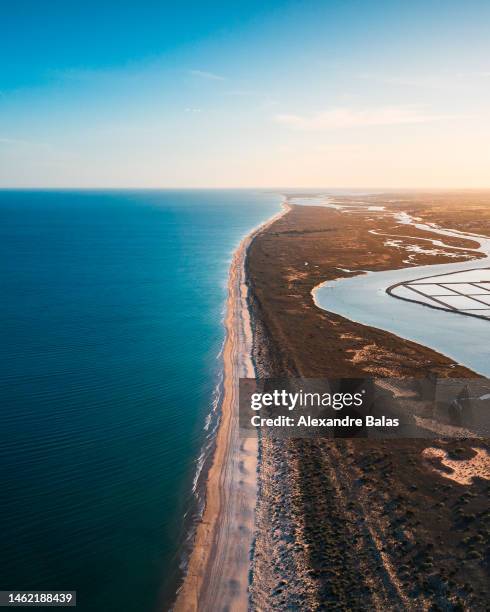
<point>218,570</point>
<point>296,562</point>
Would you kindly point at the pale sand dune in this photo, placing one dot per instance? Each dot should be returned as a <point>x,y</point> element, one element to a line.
<point>217,575</point>
<point>461,471</point>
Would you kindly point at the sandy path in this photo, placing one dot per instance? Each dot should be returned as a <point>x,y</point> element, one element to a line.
<point>217,576</point>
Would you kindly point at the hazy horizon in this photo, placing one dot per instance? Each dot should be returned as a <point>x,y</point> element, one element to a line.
<point>239,188</point>
<point>212,95</point>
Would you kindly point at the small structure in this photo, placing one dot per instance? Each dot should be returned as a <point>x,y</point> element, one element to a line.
<point>466,292</point>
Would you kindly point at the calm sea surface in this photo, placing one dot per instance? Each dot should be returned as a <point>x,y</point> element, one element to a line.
<point>110,313</point>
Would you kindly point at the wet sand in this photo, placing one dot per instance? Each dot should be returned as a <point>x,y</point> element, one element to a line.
<point>218,570</point>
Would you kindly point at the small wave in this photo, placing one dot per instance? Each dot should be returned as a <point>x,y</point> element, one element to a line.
<point>211,424</point>
<point>216,399</point>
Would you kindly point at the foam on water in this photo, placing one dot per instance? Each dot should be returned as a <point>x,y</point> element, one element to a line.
<point>111,320</point>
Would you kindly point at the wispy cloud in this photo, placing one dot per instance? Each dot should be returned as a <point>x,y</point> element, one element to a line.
<point>404,80</point>
<point>339,118</point>
<point>14,141</point>
<point>242,93</point>
<point>210,76</point>
<point>265,100</point>
<point>434,80</point>
<point>18,142</point>
<point>324,149</point>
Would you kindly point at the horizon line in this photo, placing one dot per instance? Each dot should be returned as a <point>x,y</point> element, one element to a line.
<point>204,188</point>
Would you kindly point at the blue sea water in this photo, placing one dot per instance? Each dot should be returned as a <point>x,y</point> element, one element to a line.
<point>111,322</point>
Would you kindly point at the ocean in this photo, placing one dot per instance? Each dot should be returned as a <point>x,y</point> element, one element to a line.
<point>111,324</point>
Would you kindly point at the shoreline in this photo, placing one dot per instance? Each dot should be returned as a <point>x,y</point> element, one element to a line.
<point>217,573</point>
<point>312,246</point>
<point>335,297</point>
<point>233,547</point>
<point>352,523</point>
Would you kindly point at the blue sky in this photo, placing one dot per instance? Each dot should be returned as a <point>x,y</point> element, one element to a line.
<point>210,94</point>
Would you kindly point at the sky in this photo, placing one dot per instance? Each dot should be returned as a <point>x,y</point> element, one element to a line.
<point>147,94</point>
